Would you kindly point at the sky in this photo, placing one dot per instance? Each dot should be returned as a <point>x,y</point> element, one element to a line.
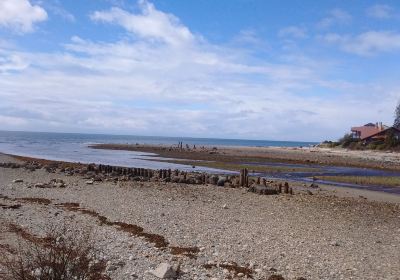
<point>245,69</point>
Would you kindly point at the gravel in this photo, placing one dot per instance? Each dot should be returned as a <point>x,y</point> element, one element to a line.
<point>232,233</point>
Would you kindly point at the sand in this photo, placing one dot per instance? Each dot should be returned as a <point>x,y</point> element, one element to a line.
<point>306,155</point>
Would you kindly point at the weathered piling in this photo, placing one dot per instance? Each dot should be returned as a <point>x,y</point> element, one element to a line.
<point>286,187</point>
<point>244,178</point>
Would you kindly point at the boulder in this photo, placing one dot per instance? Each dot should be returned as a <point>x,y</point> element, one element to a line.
<point>221,181</point>
<point>214,180</point>
<point>164,271</point>
<point>261,189</point>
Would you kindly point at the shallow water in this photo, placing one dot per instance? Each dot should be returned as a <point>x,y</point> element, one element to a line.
<point>321,170</point>
<point>74,148</point>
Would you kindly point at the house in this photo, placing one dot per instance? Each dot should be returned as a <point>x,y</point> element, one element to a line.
<point>362,132</point>
<point>381,135</point>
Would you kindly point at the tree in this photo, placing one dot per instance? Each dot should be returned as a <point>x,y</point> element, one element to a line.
<point>397,116</point>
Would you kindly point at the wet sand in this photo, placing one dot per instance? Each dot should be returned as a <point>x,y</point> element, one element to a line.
<point>314,155</point>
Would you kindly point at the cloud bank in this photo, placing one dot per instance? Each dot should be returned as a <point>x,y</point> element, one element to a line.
<point>160,78</point>
<point>20,15</point>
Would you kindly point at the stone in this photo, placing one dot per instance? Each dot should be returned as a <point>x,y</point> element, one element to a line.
<point>261,189</point>
<point>90,182</point>
<point>18,181</point>
<point>164,271</point>
<point>214,180</point>
<point>39,185</point>
<point>221,181</point>
<point>112,268</point>
<point>276,277</point>
<point>224,206</point>
<point>335,243</point>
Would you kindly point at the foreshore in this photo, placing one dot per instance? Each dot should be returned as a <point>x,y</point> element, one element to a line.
<point>231,233</point>
<point>304,155</point>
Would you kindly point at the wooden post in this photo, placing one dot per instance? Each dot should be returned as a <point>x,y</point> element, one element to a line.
<point>286,188</point>
<point>246,178</point>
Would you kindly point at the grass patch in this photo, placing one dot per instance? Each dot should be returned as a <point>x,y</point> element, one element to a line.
<point>364,180</point>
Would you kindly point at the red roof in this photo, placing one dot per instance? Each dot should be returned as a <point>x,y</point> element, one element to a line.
<point>366,131</point>
<point>382,132</point>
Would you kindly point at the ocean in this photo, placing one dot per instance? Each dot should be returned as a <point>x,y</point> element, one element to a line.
<point>74,147</point>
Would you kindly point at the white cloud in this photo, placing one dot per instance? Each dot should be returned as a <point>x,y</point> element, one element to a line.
<point>367,43</point>
<point>293,32</point>
<point>20,15</point>
<point>380,11</point>
<point>12,62</point>
<point>335,16</point>
<point>181,86</point>
<point>150,24</point>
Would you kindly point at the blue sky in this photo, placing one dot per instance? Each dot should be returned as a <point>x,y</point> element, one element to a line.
<point>279,70</point>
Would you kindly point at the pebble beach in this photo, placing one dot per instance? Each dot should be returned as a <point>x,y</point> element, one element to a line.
<point>210,232</point>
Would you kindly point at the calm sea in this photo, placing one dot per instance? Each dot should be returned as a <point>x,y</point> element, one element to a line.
<point>74,147</point>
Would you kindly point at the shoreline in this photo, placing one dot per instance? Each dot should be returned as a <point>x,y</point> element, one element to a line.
<point>308,156</point>
<point>340,191</point>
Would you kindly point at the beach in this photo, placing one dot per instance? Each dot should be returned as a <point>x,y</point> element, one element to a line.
<point>212,232</point>
<point>306,155</point>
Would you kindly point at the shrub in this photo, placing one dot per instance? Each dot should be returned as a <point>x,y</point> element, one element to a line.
<point>62,254</point>
<point>346,140</point>
<point>391,141</point>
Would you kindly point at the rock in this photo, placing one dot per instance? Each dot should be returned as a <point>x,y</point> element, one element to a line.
<point>224,206</point>
<point>18,181</point>
<point>112,268</point>
<point>221,181</point>
<point>261,189</point>
<point>276,277</point>
<point>164,271</point>
<point>214,180</point>
<point>90,182</point>
<point>335,244</point>
<point>59,185</point>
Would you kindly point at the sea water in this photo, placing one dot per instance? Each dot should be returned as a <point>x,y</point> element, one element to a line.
<point>74,147</point>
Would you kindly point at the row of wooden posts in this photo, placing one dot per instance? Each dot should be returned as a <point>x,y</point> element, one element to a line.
<point>167,174</point>
<point>143,172</point>
<point>244,182</point>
